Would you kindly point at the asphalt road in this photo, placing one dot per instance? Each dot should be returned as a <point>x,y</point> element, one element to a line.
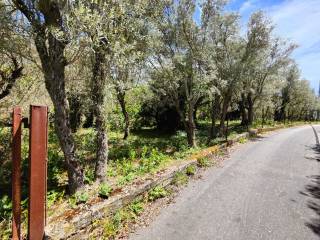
<point>268,189</point>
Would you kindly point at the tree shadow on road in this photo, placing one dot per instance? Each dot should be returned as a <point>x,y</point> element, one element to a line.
<point>312,190</point>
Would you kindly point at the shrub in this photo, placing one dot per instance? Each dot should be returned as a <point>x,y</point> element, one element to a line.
<point>5,207</point>
<point>54,196</point>
<point>81,197</point>
<point>203,162</point>
<point>104,190</point>
<point>157,192</point>
<point>242,140</point>
<point>89,175</point>
<point>191,170</point>
<point>180,178</point>
<point>136,207</point>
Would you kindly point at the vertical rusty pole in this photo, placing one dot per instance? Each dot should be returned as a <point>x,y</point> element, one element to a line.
<point>16,173</point>
<point>37,171</point>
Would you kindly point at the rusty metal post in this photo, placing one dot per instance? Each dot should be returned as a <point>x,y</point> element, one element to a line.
<point>16,173</point>
<point>37,171</point>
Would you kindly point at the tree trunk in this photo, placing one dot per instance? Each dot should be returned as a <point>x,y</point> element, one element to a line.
<point>250,109</point>
<point>98,93</point>
<point>195,112</point>
<point>244,115</point>
<point>223,116</point>
<point>51,53</point>
<point>191,127</point>
<point>215,109</point>
<point>195,116</point>
<point>122,102</point>
<point>75,111</point>
<point>53,65</point>
<point>263,118</point>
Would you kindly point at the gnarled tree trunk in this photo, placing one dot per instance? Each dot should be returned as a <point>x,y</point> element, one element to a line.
<point>223,115</point>
<point>51,53</point>
<point>215,110</point>
<point>244,115</point>
<point>121,99</point>
<point>188,124</point>
<point>53,65</point>
<point>99,83</point>
<point>250,109</point>
<point>191,127</point>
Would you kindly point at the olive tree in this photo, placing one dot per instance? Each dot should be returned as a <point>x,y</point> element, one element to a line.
<point>267,55</point>
<point>179,69</point>
<point>48,28</point>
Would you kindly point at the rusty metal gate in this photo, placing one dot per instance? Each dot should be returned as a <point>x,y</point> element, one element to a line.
<point>37,176</point>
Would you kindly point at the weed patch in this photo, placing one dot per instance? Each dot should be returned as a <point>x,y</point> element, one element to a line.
<point>191,170</point>
<point>157,192</point>
<point>203,162</point>
<point>180,178</point>
<point>104,190</point>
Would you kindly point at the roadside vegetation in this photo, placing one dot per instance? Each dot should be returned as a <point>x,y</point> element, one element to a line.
<point>136,86</point>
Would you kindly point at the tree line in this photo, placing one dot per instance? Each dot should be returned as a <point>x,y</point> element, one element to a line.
<point>178,67</point>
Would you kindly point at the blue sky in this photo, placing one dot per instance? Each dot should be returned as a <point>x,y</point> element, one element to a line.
<point>295,20</point>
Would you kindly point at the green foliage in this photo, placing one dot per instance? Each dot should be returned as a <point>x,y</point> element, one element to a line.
<point>243,140</point>
<point>109,229</point>
<point>104,190</point>
<point>5,230</point>
<point>5,164</point>
<point>122,218</point>
<point>150,160</point>
<point>5,208</point>
<point>136,207</point>
<point>54,196</point>
<point>203,162</point>
<point>191,170</point>
<point>157,192</point>
<point>180,178</point>
<point>123,180</point>
<point>89,176</point>
<point>78,198</point>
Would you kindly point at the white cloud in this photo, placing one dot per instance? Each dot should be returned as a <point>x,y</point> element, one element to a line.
<point>298,21</point>
<point>248,5</point>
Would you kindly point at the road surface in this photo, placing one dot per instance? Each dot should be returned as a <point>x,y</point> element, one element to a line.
<point>268,189</point>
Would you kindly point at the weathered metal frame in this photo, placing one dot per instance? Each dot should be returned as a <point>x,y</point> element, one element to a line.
<point>16,172</point>
<point>37,171</point>
<point>38,151</point>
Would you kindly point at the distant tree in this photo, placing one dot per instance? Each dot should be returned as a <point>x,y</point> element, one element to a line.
<point>179,68</point>
<point>268,55</point>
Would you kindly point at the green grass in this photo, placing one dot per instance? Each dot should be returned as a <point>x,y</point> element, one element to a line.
<point>191,170</point>
<point>120,220</point>
<point>157,192</point>
<point>180,178</point>
<point>203,162</point>
<point>104,190</point>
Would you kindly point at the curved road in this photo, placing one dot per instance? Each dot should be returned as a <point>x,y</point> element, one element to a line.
<point>268,189</point>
